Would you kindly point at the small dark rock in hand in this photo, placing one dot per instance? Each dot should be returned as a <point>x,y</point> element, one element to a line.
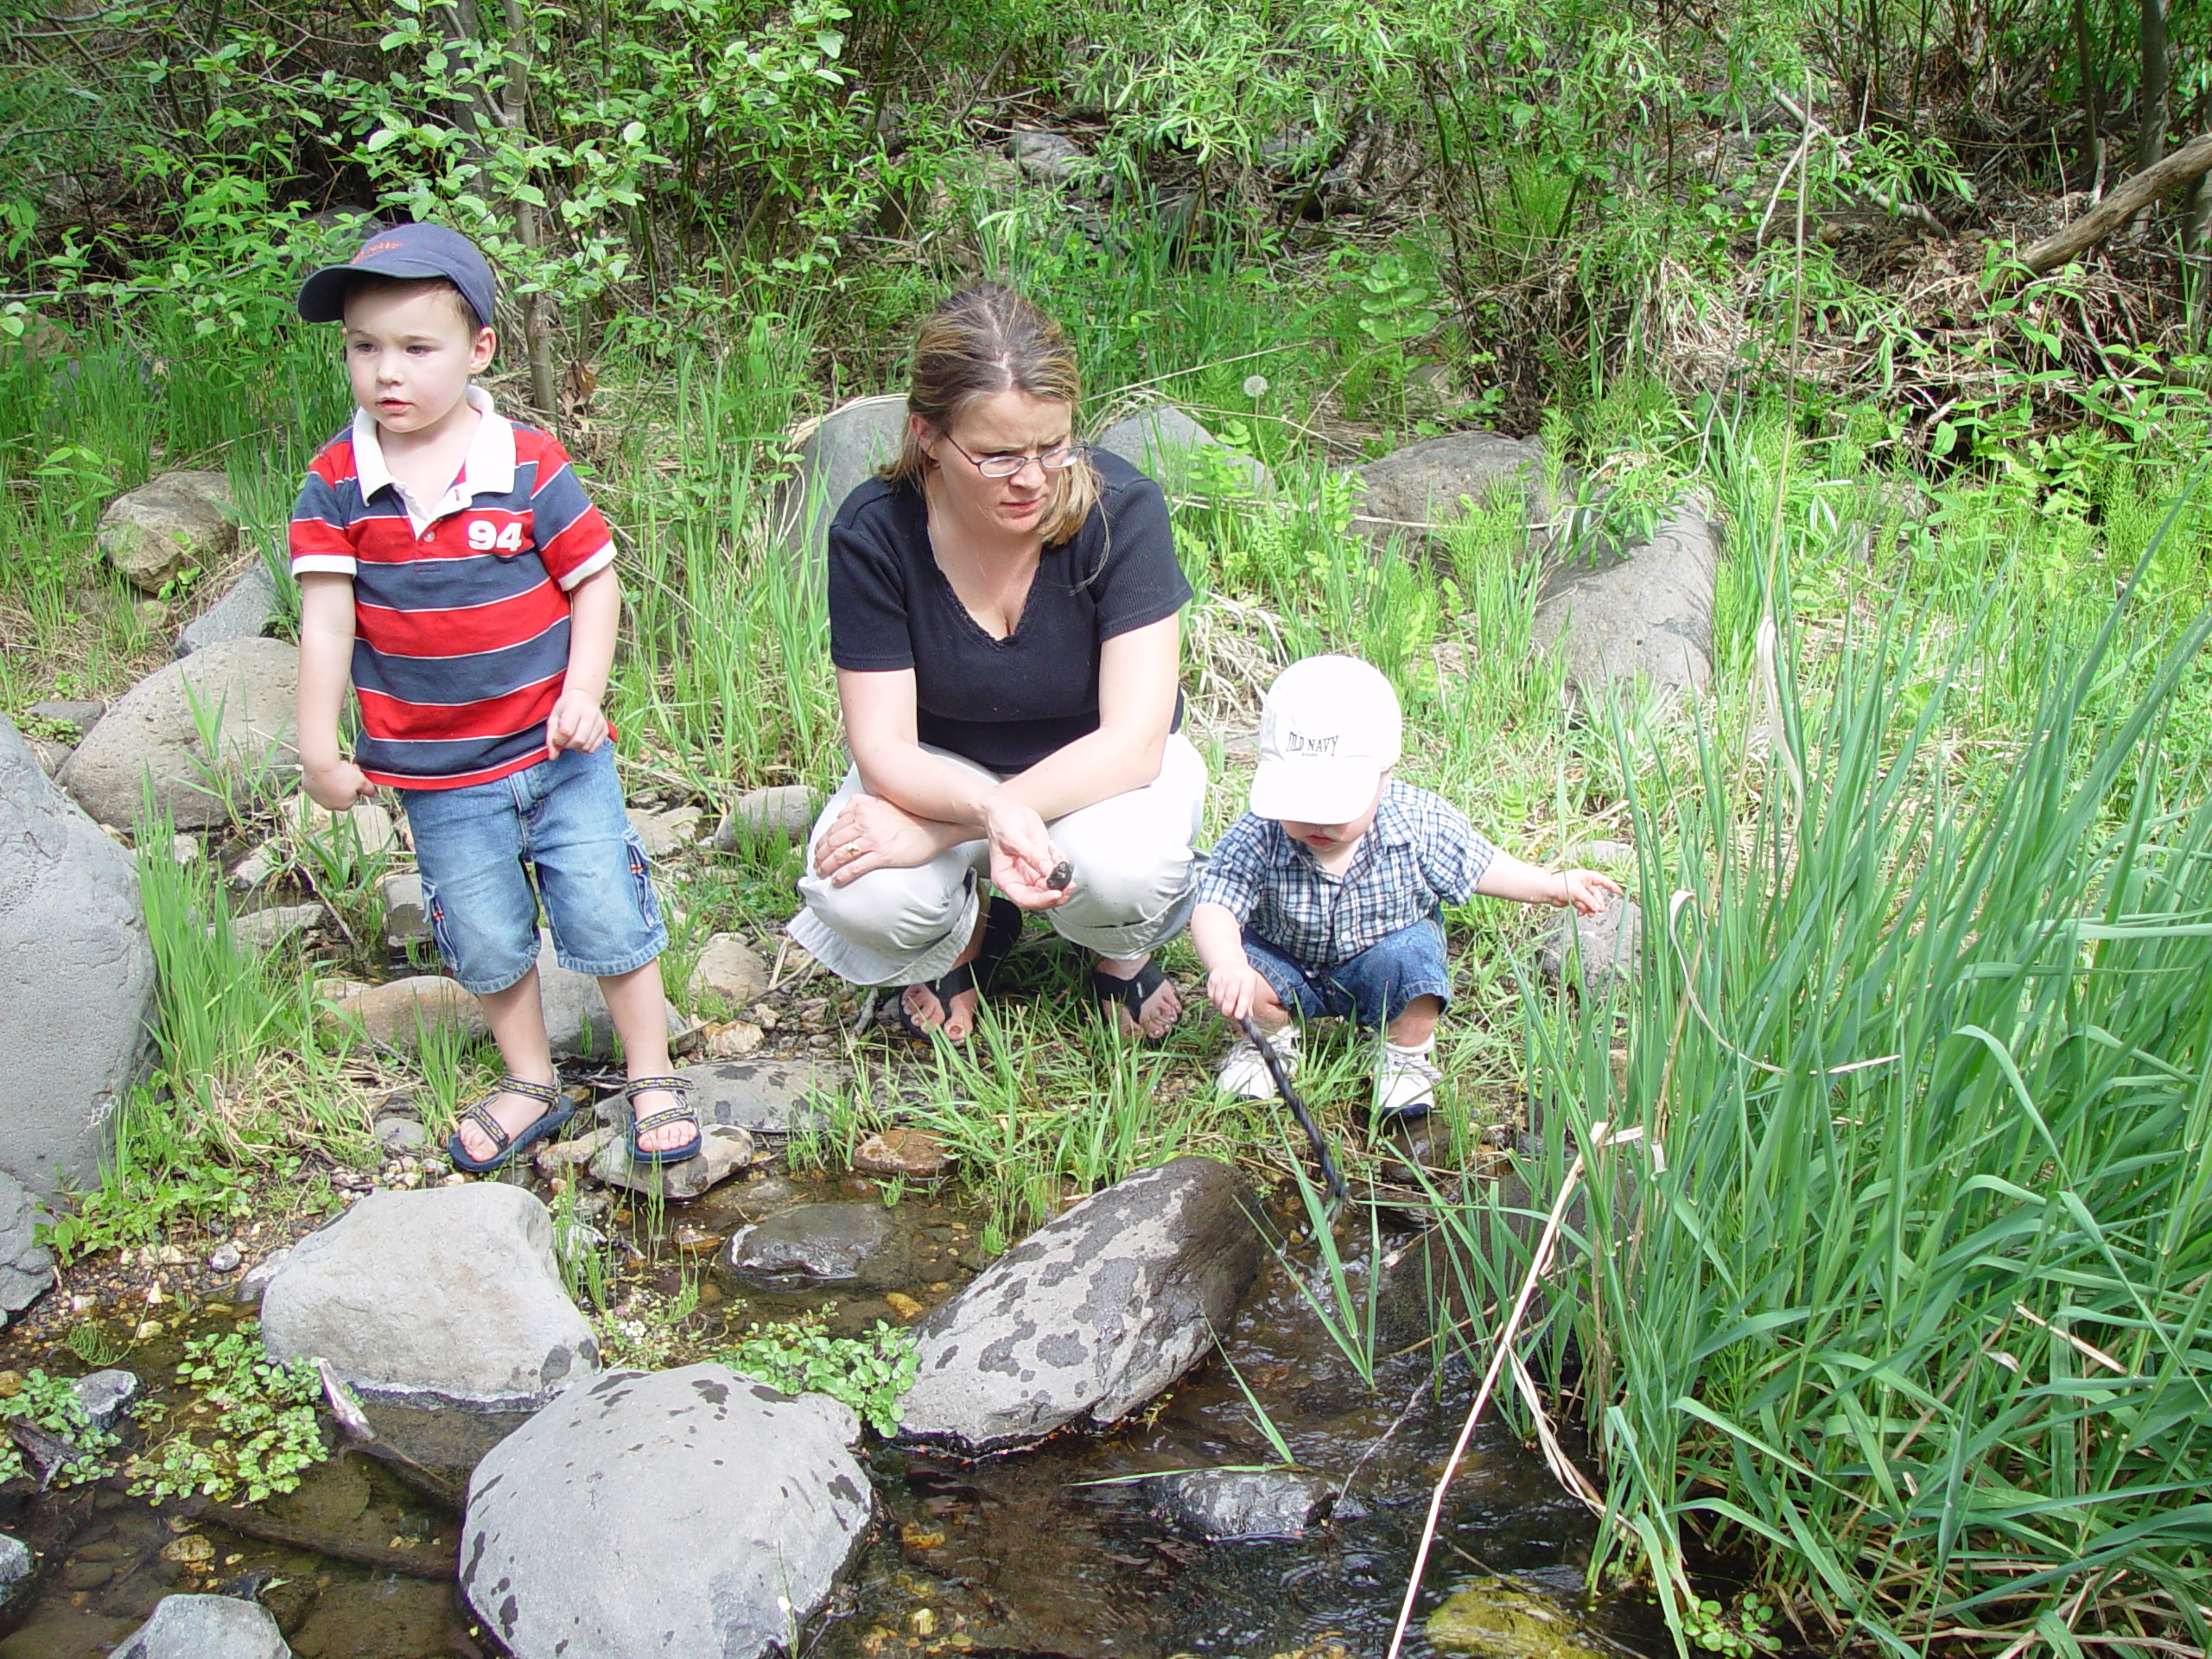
<point>1063,873</point>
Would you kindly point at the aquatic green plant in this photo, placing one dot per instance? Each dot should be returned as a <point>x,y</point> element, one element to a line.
<point>50,1403</point>
<point>251,1427</point>
<point>870,1373</point>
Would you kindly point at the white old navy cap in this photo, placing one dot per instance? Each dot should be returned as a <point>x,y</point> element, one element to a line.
<point>1328,730</point>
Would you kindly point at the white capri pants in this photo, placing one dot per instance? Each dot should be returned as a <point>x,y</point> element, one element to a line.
<point>1136,880</point>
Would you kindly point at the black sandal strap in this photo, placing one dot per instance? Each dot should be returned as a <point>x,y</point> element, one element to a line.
<point>479,1114</point>
<point>1133,993</point>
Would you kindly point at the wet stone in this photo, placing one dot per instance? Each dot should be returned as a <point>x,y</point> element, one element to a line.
<point>913,1152</point>
<point>1225,1503</point>
<point>105,1394</point>
<point>1495,1620</point>
<point>816,1243</point>
<point>206,1627</point>
<point>17,1566</point>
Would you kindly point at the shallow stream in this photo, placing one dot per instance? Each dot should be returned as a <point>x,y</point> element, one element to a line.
<point>1052,1552</point>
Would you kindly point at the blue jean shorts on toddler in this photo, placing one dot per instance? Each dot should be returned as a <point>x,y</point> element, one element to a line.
<point>1370,989</point>
<point>560,822</point>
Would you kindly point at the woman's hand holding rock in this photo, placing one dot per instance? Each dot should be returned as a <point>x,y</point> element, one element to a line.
<point>1023,856</point>
<point>871,834</point>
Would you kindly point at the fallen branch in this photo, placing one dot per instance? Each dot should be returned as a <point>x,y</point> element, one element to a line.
<point>2192,161</point>
<point>411,1563</point>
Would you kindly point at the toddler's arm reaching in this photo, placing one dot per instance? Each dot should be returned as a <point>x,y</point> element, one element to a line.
<point>1507,877</point>
<point>1233,984</point>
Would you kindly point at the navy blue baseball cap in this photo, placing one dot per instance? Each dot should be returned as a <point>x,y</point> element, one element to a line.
<point>404,251</point>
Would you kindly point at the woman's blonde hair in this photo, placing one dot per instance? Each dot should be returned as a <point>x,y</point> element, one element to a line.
<point>982,341</point>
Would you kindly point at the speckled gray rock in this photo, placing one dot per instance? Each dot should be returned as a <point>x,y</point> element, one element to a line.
<point>206,1627</point>
<point>1161,441</point>
<point>763,1097</point>
<point>839,453</point>
<point>76,985</point>
<point>1599,950</point>
<point>815,1244</point>
<point>245,687</point>
<point>783,813</point>
<point>1090,1316</point>
<point>103,1394</point>
<point>255,1285</point>
<point>174,522</point>
<point>445,1295</point>
<point>672,1514</point>
<point>1225,1503</point>
<point>245,612</point>
<point>1411,490</point>
<point>1648,619</point>
<point>18,1568</point>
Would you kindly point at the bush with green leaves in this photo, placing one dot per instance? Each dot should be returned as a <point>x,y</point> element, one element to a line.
<point>51,1403</point>
<point>869,1373</point>
<point>264,1430</point>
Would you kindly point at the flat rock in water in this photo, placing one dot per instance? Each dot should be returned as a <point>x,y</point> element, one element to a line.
<point>672,1514</point>
<point>76,1000</point>
<point>1091,1315</point>
<point>814,1244</point>
<point>1163,441</point>
<point>1493,1619</point>
<point>206,1627</point>
<point>836,457</point>
<point>1600,950</point>
<point>445,1295</point>
<point>244,612</point>
<point>724,1152</point>
<point>1223,1504</point>
<point>1647,619</point>
<point>782,814</point>
<point>770,1098</point>
<point>914,1153</point>
<point>104,1394</point>
<point>177,522</point>
<point>246,689</point>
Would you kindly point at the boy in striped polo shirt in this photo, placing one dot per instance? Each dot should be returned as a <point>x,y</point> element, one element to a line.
<point>449,563</point>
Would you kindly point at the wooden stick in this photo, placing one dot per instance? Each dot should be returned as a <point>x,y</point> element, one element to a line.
<point>2192,161</point>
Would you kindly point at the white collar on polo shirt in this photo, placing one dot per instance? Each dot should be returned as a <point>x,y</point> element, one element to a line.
<point>489,468</point>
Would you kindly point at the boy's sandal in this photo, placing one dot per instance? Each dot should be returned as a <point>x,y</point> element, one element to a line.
<point>1108,994</point>
<point>679,1112</point>
<point>1001,931</point>
<point>550,1122</point>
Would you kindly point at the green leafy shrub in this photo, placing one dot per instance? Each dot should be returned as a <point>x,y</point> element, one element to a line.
<point>264,1427</point>
<point>869,1373</point>
<point>51,1403</point>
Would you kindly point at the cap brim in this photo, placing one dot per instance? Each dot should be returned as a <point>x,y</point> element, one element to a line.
<point>322,297</point>
<point>1314,791</point>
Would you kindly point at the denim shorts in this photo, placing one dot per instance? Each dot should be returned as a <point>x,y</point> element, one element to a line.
<point>560,823</point>
<point>1371,989</point>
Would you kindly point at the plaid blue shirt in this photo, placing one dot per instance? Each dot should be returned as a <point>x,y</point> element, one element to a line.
<point>1421,853</point>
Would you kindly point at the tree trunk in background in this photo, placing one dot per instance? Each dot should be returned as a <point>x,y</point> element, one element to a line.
<point>2093,139</point>
<point>514,116</point>
<point>2150,140</point>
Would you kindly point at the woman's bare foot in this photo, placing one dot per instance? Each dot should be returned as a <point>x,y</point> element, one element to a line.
<point>925,1012</point>
<point>1161,1009</point>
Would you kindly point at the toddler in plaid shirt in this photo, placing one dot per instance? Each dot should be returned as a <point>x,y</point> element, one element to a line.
<point>1323,898</point>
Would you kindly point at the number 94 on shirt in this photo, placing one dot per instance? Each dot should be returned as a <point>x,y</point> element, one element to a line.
<point>486,536</point>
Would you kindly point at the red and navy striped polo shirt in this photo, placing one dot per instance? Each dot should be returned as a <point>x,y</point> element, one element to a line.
<point>460,609</point>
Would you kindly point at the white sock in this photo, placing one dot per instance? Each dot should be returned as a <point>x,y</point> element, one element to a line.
<point>1420,1050</point>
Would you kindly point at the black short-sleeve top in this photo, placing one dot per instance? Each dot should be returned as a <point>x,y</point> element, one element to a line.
<point>1006,703</point>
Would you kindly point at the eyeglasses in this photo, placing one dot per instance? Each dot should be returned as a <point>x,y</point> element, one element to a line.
<point>1058,458</point>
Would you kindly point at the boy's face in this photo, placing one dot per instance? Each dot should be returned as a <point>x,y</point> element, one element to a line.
<point>409,355</point>
<point>1326,838</point>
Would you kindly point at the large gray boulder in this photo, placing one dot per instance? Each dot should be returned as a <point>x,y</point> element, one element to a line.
<point>1646,619</point>
<point>243,688</point>
<point>445,1296</point>
<point>246,610</point>
<point>677,1513</point>
<point>1090,1316</point>
<point>206,1627</point>
<point>1411,493</point>
<point>836,457</point>
<point>76,988</point>
<point>175,523</point>
<point>1164,442</point>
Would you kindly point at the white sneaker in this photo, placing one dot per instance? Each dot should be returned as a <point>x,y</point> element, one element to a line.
<point>1244,1070</point>
<point>1405,1082</point>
